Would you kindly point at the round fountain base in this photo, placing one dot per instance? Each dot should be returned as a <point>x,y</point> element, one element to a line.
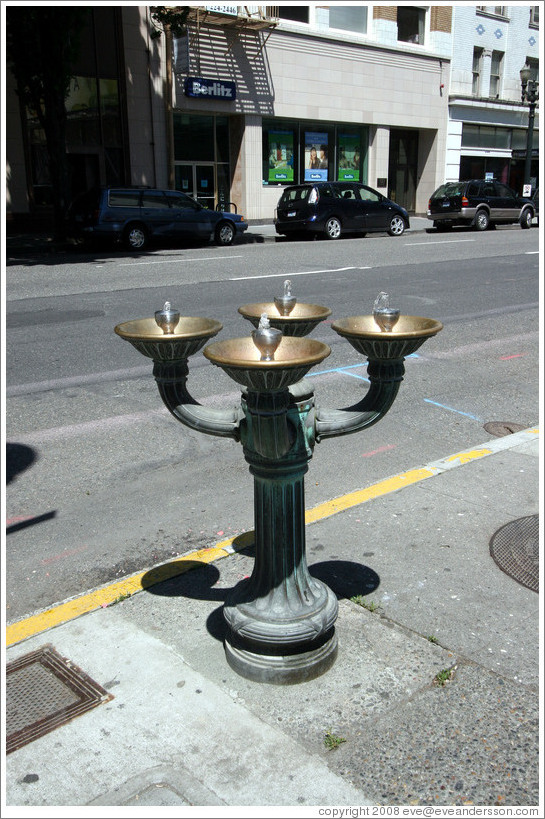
<point>282,669</point>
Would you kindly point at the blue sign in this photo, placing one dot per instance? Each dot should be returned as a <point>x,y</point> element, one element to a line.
<point>213,89</point>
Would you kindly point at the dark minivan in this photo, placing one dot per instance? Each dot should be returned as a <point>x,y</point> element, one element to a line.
<point>478,203</point>
<point>335,208</point>
<point>136,215</point>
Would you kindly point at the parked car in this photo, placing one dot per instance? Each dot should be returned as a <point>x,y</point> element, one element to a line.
<point>335,208</point>
<point>137,215</point>
<point>478,203</point>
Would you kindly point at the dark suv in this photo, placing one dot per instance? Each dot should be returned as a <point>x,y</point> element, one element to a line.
<point>135,215</point>
<point>334,208</point>
<point>478,203</point>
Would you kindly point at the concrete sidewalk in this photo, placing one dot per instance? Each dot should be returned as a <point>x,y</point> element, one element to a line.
<point>183,729</point>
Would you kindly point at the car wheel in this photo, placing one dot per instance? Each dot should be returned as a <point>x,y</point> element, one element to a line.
<point>397,226</point>
<point>135,237</point>
<point>333,228</point>
<point>482,220</point>
<point>526,218</point>
<point>225,234</point>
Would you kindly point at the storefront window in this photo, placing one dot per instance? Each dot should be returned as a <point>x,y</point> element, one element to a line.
<point>349,156</point>
<point>279,160</point>
<point>485,136</point>
<point>295,152</point>
<point>193,138</point>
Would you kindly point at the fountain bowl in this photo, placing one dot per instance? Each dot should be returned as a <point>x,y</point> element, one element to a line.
<point>301,321</point>
<point>190,335</point>
<point>408,334</point>
<point>241,360</point>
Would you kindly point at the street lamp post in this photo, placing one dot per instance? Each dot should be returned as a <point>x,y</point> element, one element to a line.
<point>530,95</point>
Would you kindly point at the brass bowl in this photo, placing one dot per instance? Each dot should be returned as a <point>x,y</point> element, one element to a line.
<point>408,334</point>
<point>241,360</point>
<point>301,321</point>
<point>190,335</point>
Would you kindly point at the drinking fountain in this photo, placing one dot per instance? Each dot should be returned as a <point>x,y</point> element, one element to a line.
<point>280,622</point>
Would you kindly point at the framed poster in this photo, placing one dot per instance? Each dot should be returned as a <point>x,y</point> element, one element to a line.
<point>280,156</point>
<point>349,157</point>
<point>316,156</point>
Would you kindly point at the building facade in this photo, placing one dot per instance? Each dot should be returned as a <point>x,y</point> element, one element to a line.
<point>255,97</point>
<point>487,130</point>
<point>340,80</point>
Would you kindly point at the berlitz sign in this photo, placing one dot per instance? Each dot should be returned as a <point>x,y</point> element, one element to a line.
<point>214,89</point>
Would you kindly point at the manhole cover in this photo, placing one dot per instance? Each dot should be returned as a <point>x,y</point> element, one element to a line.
<point>515,548</point>
<point>501,428</point>
<point>43,692</point>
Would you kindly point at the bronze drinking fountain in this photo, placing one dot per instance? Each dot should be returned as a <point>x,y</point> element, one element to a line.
<point>281,620</point>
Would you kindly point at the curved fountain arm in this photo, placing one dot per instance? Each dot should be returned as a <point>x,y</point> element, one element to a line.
<point>171,378</point>
<point>385,378</point>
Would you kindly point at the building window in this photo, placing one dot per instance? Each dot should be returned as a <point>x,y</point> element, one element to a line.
<point>297,13</point>
<point>349,18</point>
<point>410,24</point>
<point>477,70</point>
<point>485,136</point>
<point>499,11</point>
<point>298,151</point>
<point>495,73</point>
<point>534,16</point>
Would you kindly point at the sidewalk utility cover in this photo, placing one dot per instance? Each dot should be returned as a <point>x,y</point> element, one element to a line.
<point>515,548</point>
<point>43,692</point>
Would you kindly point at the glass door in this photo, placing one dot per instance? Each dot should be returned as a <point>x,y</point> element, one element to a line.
<point>196,179</point>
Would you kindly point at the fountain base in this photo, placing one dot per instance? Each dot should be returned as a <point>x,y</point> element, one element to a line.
<point>282,669</point>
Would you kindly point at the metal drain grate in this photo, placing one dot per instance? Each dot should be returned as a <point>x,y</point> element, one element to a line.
<point>43,692</point>
<point>515,548</point>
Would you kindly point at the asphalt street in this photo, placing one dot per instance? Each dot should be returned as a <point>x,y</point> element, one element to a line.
<point>104,482</point>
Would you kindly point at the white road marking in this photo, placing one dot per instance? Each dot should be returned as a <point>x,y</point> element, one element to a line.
<point>300,273</point>
<point>173,261</point>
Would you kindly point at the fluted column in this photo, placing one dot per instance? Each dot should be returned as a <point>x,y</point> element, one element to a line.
<point>281,619</point>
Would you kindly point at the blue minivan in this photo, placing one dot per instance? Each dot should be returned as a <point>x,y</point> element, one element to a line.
<point>134,216</point>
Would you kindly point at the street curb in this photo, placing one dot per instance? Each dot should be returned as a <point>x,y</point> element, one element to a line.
<point>109,594</point>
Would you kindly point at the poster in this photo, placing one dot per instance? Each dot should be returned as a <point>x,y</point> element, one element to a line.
<point>280,156</point>
<point>349,157</point>
<point>316,156</point>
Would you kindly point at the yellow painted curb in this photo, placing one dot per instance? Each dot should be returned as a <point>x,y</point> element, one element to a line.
<point>332,507</point>
<point>107,595</point>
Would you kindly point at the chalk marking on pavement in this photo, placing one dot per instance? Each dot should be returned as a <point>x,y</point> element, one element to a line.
<point>127,586</point>
<point>451,409</point>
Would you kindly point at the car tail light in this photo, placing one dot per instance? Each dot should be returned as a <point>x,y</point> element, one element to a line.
<point>314,196</point>
<point>465,201</point>
<point>429,204</point>
<point>95,216</point>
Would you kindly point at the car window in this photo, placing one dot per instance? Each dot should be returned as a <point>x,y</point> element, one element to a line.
<point>124,199</point>
<point>488,189</point>
<point>504,191</point>
<point>180,200</point>
<point>369,195</point>
<point>291,195</point>
<point>473,189</point>
<point>154,199</point>
<point>327,190</point>
<point>348,192</point>
<point>449,189</point>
